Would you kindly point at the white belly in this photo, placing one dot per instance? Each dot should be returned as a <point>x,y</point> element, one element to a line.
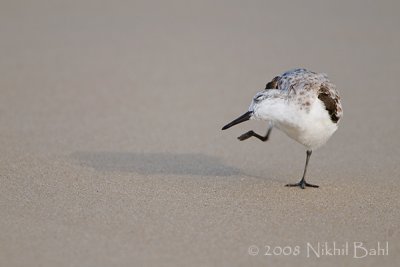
<point>312,128</point>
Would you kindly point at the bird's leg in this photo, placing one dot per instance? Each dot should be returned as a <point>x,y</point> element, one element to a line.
<point>252,133</point>
<point>302,184</point>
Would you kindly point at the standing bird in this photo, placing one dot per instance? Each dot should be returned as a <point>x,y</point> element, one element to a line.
<point>303,104</point>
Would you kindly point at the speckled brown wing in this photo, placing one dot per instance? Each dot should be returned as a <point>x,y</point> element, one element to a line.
<point>273,84</point>
<point>296,80</point>
<point>329,96</point>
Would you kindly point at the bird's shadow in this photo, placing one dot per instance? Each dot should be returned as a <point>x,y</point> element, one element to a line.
<point>155,163</point>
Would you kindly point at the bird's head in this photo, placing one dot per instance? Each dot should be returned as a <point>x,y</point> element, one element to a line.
<point>252,113</point>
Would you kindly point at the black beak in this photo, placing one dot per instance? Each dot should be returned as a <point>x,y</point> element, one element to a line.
<point>245,117</point>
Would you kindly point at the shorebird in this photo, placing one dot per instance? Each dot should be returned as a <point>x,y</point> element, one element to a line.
<point>303,104</point>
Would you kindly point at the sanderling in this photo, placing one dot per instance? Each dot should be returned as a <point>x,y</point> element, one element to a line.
<point>303,104</point>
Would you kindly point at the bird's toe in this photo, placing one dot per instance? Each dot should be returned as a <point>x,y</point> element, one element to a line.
<point>245,136</point>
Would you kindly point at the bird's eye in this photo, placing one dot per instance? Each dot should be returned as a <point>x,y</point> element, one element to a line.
<point>258,98</point>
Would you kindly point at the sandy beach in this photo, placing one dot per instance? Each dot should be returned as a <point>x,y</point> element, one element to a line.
<point>111,141</point>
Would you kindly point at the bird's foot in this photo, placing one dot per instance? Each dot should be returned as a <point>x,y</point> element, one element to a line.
<point>302,184</point>
<point>246,136</point>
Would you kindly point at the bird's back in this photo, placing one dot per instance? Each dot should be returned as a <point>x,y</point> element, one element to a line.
<point>300,82</point>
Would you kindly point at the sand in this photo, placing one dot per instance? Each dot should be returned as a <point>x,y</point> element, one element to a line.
<point>111,148</point>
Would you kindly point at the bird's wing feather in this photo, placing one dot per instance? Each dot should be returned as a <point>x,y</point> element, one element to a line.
<point>329,96</point>
<point>297,80</point>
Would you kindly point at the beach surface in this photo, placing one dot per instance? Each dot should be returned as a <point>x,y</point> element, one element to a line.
<point>112,152</point>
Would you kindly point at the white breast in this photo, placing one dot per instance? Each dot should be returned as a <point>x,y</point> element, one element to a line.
<point>309,125</point>
<point>311,128</point>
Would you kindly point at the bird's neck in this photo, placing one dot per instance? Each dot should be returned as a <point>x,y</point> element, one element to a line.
<point>277,110</point>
